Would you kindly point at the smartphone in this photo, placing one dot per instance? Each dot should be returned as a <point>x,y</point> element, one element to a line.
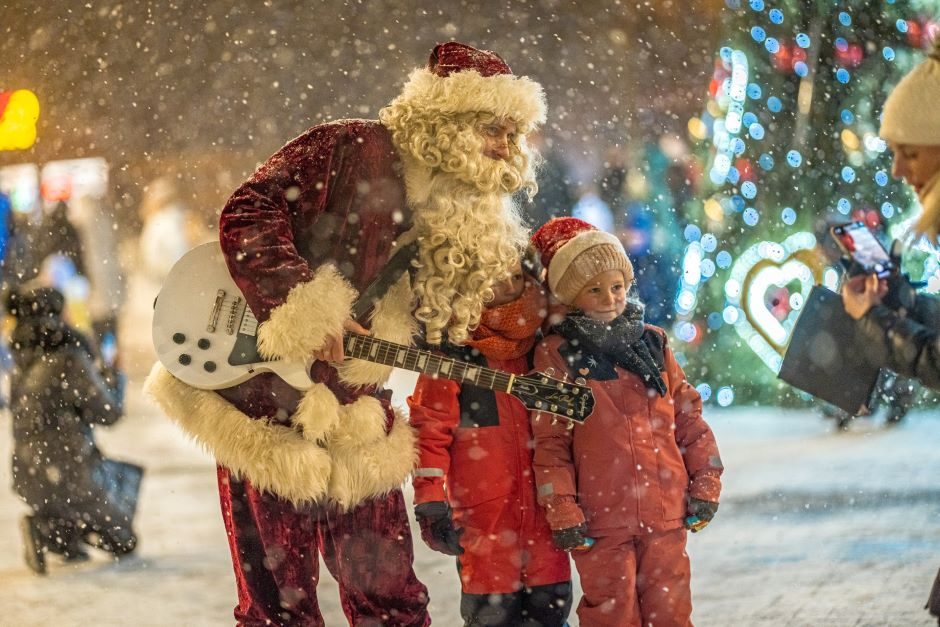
<point>860,245</point>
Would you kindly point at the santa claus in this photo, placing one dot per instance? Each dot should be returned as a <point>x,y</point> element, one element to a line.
<point>320,471</point>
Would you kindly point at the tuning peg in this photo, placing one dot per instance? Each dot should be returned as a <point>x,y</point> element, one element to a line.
<point>581,381</point>
<point>550,372</point>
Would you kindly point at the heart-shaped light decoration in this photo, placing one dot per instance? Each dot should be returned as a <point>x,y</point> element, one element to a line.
<point>769,265</point>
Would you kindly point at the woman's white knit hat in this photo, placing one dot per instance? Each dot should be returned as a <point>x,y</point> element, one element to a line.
<point>910,114</point>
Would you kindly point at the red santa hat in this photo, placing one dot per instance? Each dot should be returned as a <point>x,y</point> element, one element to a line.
<point>574,252</point>
<point>462,79</point>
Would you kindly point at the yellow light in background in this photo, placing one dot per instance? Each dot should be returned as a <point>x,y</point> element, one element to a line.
<point>713,210</point>
<point>697,128</point>
<point>637,185</point>
<point>18,120</point>
<point>850,140</point>
<point>714,109</point>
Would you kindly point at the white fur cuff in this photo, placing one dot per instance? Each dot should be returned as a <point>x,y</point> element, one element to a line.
<point>312,311</point>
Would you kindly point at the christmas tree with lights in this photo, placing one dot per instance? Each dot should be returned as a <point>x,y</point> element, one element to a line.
<point>790,137</point>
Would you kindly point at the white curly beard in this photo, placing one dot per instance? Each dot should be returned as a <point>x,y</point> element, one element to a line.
<point>471,235</point>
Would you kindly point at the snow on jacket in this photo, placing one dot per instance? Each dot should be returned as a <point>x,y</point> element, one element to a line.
<point>907,342</point>
<point>476,452</point>
<point>635,461</point>
<point>311,228</point>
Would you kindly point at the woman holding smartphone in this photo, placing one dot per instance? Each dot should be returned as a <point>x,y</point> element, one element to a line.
<point>892,317</point>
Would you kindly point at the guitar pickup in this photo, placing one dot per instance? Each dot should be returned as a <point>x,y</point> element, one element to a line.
<point>216,311</point>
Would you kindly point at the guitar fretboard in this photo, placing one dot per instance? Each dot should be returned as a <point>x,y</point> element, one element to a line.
<point>387,353</point>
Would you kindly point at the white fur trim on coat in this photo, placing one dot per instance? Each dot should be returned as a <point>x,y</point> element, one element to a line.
<point>504,95</point>
<point>312,311</point>
<point>367,467</point>
<point>317,414</point>
<point>391,321</point>
<point>274,458</point>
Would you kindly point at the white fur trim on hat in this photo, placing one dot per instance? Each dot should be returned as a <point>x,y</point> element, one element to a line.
<point>504,95</point>
<point>312,311</point>
<point>909,115</point>
<point>574,247</point>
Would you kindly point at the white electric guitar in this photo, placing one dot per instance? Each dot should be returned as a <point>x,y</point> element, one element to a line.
<point>205,335</point>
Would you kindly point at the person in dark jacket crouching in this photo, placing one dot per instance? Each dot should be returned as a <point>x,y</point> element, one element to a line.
<point>59,392</point>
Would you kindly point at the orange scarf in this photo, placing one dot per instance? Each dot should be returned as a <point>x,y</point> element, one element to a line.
<point>508,331</point>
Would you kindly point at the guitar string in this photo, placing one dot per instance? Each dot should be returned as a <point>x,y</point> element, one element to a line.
<point>387,353</point>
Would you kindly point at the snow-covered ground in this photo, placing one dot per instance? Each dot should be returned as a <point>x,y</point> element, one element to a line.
<point>815,528</point>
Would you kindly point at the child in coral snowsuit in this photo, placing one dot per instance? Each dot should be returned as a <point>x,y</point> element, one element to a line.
<point>474,490</point>
<point>644,467</point>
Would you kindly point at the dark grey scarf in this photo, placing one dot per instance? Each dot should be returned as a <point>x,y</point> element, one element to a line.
<point>620,341</point>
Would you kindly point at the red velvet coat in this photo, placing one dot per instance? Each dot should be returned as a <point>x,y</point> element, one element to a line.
<point>309,230</point>
<point>633,463</point>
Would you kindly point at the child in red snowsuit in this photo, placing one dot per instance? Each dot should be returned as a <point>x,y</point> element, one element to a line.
<point>644,467</point>
<point>474,490</point>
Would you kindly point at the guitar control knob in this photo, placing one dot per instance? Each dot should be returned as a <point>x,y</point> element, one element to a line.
<point>209,366</point>
<point>179,338</point>
<point>185,359</point>
<point>203,343</point>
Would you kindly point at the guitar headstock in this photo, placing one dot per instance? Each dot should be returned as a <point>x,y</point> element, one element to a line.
<point>540,392</point>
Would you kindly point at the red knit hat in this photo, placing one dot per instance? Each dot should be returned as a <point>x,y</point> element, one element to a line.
<point>574,252</point>
<point>461,79</point>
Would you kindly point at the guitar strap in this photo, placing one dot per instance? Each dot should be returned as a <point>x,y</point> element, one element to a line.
<point>396,266</point>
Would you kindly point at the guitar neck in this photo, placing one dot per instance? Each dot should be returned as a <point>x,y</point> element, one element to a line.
<point>388,353</point>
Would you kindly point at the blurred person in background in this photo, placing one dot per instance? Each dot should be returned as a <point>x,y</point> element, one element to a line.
<point>893,318</point>
<point>166,233</point>
<point>77,496</point>
<point>95,223</point>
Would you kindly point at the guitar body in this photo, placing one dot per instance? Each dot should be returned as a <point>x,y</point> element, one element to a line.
<point>203,331</point>
<point>206,336</point>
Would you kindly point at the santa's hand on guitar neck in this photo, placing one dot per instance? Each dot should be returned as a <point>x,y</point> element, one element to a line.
<point>333,347</point>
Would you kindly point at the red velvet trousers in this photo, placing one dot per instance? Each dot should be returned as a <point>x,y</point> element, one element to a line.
<point>276,547</point>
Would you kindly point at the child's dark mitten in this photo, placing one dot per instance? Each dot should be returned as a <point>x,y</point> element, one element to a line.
<point>700,513</point>
<point>571,538</point>
<point>437,527</point>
